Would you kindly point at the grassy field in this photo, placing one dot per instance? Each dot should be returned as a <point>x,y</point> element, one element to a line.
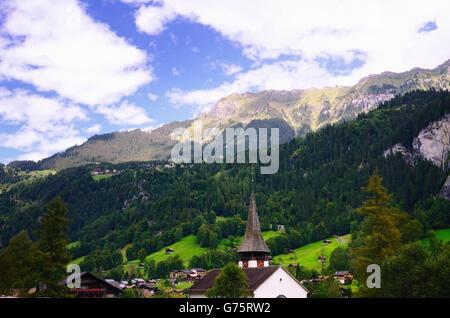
<point>307,255</point>
<point>124,252</point>
<point>184,285</point>
<point>443,235</point>
<point>28,177</point>
<point>77,260</point>
<point>186,248</point>
<point>73,244</point>
<point>101,176</point>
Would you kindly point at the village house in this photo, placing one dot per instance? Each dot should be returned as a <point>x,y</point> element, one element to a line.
<point>265,281</point>
<point>344,277</point>
<point>93,287</point>
<point>187,275</point>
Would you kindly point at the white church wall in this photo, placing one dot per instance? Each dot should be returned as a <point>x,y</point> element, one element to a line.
<point>280,283</point>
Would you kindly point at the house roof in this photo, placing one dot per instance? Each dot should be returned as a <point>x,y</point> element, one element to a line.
<point>253,240</point>
<point>83,274</point>
<point>256,276</point>
<point>341,273</point>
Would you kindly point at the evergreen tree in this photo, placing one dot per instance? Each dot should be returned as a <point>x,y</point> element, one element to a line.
<point>52,246</point>
<point>19,265</point>
<point>379,233</point>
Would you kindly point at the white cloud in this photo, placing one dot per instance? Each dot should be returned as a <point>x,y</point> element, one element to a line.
<point>384,33</point>
<point>136,1</point>
<point>227,68</point>
<point>45,124</point>
<point>175,71</point>
<point>55,46</point>
<point>152,97</point>
<point>152,19</point>
<point>93,129</point>
<point>150,128</point>
<point>125,114</point>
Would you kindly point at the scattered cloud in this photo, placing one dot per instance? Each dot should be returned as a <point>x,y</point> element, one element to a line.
<point>348,40</point>
<point>124,115</point>
<point>93,129</point>
<point>56,46</point>
<point>152,19</point>
<point>175,71</point>
<point>45,125</point>
<point>227,68</point>
<point>152,97</point>
<point>150,128</point>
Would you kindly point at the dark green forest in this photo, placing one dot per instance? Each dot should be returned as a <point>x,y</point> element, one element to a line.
<point>314,194</point>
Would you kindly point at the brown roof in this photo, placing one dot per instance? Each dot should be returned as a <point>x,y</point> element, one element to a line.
<point>253,240</point>
<point>84,274</point>
<point>256,276</point>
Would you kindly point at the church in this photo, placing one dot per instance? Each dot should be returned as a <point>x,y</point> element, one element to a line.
<point>265,281</point>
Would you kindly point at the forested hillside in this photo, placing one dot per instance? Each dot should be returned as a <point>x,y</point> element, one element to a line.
<point>314,193</point>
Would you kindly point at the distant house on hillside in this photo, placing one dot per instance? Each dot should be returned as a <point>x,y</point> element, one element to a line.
<point>343,277</point>
<point>169,250</point>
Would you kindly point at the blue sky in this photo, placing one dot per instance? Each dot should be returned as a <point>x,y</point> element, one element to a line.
<point>70,69</point>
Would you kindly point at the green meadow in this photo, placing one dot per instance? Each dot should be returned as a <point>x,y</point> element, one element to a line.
<point>308,255</point>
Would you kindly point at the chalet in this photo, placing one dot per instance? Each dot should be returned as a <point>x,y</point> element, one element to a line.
<point>169,250</point>
<point>200,271</point>
<point>344,277</point>
<point>147,289</point>
<point>94,287</point>
<point>264,281</point>
<point>321,258</point>
<point>137,281</point>
<point>326,242</point>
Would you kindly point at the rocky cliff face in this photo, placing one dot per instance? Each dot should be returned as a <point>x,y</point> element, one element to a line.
<point>445,192</point>
<point>432,143</point>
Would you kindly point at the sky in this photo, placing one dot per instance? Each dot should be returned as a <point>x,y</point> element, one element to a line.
<point>71,69</point>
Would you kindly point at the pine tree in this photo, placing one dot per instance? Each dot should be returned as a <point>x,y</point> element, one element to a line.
<point>379,231</point>
<point>52,246</point>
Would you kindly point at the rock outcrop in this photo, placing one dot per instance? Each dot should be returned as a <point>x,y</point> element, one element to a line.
<point>445,191</point>
<point>432,143</point>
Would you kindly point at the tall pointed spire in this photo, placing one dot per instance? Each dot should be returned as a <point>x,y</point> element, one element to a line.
<point>253,240</point>
<point>253,251</point>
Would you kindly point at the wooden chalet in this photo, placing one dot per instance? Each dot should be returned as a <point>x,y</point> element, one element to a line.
<point>94,287</point>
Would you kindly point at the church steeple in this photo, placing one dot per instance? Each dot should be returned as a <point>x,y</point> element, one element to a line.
<point>253,251</point>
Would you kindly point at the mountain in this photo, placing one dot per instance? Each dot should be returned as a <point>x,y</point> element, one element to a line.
<point>295,112</point>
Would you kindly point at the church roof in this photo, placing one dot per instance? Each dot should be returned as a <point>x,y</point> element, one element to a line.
<point>253,240</point>
<point>256,276</point>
